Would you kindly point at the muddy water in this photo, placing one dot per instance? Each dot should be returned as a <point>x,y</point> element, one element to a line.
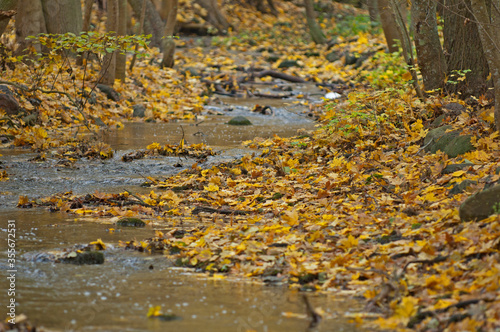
<point>116,295</point>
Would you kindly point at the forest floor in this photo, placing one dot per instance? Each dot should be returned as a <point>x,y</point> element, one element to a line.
<point>356,207</point>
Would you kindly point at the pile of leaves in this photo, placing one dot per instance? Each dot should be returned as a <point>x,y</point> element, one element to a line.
<point>197,151</point>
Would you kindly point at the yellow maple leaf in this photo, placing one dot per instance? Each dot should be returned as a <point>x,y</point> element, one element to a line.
<point>154,146</point>
<point>154,311</point>
<point>291,217</point>
<point>406,309</point>
<point>98,245</point>
<point>349,242</point>
<point>211,187</point>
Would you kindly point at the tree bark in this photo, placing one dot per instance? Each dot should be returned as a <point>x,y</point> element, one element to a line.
<point>7,10</point>
<point>108,70</point>
<point>487,14</point>
<point>373,10</point>
<point>153,25</point>
<point>87,14</point>
<point>429,52</point>
<point>62,16</point>
<point>139,32</point>
<point>389,25</point>
<point>168,41</point>
<point>29,22</point>
<point>464,49</point>
<point>314,29</point>
<point>121,57</point>
<point>214,15</point>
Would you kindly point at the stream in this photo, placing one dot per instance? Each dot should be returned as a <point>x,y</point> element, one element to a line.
<point>116,295</point>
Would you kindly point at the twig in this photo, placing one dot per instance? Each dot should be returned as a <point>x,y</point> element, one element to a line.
<point>424,314</point>
<point>315,317</point>
<point>438,259</point>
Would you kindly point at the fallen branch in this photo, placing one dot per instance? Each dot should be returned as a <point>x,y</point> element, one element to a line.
<point>207,209</point>
<point>424,314</point>
<point>283,76</point>
<point>438,259</point>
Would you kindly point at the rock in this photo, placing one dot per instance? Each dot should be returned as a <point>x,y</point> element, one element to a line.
<point>456,167</point>
<point>30,119</point>
<point>350,59</point>
<point>192,71</point>
<point>272,58</point>
<point>130,222</point>
<point>481,205</point>
<point>438,121</point>
<point>460,187</point>
<point>332,56</point>
<point>139,111</point>
<point>8,103</point>
<point>239,121</point>
<point>5,90</point>
<point>451,143</point>
<point>109,92</point>
<point>84,258</point>
<point>455,107</point>
<point>288,64</point>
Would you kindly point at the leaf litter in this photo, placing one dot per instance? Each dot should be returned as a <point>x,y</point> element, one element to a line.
<point>356,207</point>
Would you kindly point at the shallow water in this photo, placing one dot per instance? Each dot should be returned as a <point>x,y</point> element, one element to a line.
<point>116,295</point>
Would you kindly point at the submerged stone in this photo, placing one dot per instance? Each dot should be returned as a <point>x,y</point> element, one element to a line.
<point>84,258</point>
<point>130,222</point>
<point>239,121</point>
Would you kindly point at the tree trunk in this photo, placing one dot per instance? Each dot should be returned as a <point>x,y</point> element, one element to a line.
<point>7,10</point>
<point>62,16</point>
<point>214,15</point>
<point>487,14</point>
<point>108,69</point>
<point>168,42</point>
<point>153,25</point>
<point>164,10</point>
<point>139,32</point>
<point>373,10</point>
<point>29,22</point>
<point>314,29</point>
<point>121,58</point>
<point>429,52</point>
<point>87,14</point>
<point>388,25</point>
<point>464,50</point>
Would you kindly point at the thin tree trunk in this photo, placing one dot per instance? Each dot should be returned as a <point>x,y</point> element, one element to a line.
<point>406,45</point>
<point>108,69</point>
<point>164,9</point>
<point>121,58</point>
<point>214,15</point>
<point>87,14</point>
<point>389,25</point>
<point>429,52</point>
<point>487,13</point>
<point>314,29</point>
<point>140,32</point>
<point>168,41</point>
<point>153,25</point>
<point>373,10</point>
<point>7,10</point>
